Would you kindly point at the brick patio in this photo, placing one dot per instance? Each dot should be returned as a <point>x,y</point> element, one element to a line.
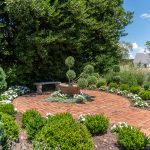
<point>115,107</point>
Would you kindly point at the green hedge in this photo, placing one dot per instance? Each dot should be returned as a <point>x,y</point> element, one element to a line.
<point>64,133</point>
<point>96,124</point>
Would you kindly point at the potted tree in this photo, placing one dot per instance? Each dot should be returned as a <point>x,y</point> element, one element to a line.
<point>71,88</point>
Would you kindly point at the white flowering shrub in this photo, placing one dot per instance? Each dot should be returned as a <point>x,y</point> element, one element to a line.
<point>118,126</point>
<point>137,100</point>
<point>81,119</point>
<point>12,93</point>
<point>57,96</point>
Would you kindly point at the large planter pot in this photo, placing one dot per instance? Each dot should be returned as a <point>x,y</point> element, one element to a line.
<point>69,89</point>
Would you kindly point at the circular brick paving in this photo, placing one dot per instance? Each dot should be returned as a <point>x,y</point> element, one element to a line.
<point>116,108</point>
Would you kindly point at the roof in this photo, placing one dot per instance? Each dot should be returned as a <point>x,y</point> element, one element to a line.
<point>143,58</point>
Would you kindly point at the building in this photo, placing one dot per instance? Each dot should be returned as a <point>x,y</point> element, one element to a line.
<point>142,60</point>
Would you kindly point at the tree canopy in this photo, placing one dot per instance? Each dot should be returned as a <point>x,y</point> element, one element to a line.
<point>36,36</point>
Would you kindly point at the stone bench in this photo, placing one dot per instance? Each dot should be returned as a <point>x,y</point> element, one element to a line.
<point>39,85</point>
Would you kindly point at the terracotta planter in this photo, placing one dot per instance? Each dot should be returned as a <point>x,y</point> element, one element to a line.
<point>69,89</point>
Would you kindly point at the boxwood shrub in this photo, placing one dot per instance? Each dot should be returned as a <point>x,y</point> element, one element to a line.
<point>135,89</point>
<point>131,138</point>
<point>145,94</point>
<point>10,126</point>
<point>113,85</point>
<point>63,133</point>
<point>29,115</point>
<point>124,87</point>
<point>96,124</point>
<point>101,82</point>
<point>8,109</point>
<point>147,85</point>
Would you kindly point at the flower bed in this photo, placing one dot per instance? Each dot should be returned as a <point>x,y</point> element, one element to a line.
<point>137,100</point>
<point>12,93</point>
<point>57,96</point>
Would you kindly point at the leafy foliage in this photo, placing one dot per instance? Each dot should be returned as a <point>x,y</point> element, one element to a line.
<point>101,82</point>
<point>124,87</point>
<point>131,138</point>
<point>96,124</point>
<point>11,127</point>
<point>82,83</point>
<point>64,133</point>
<point>3,83</point>
<point>29,115</point>
<point>8,109</point>
<point>135,89</point>
<point>88,30</point>
<point>145,95</point>
<point>113,85</point>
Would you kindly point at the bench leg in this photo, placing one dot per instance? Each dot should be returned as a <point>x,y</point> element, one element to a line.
<point>39,89</point>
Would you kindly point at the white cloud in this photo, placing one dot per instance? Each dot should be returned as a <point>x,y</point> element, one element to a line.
<point>137,48</point>
<point>145,16</point>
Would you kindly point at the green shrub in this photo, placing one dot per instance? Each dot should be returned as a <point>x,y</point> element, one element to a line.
<point>70,61</point>
<point>113,85</point>
<point>34,126</point>
<point>11,127</point>
<point>135,89</point>
<point>63,133</point>
<point>29,114</point>
<point>101,82</point>
<point>131,138</point>
<point>70,74</point>
<point>3,83</point>
<point>8,109</point>
<point>92,80</point>
<point>96,124</point>
<point>82,83</point>
<point>128,77</point>
<point>124,87</point>
<point>145,95</point>
<point>92,87</point>
<point>116,79</point>
<point>147,85</point>
<point>109,77</point>
<point>116,68</point>
<point>96,75</point>
<point>140,77</point>
<point>88,69</point>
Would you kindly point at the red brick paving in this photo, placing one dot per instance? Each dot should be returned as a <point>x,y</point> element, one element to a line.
<point>115,107</point>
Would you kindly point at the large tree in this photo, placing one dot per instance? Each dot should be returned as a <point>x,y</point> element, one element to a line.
<point>39,34</point>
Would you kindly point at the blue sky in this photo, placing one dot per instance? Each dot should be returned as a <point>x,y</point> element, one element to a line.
<point>139,30</point>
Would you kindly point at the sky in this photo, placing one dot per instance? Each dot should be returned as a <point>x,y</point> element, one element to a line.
<point>139,30</point>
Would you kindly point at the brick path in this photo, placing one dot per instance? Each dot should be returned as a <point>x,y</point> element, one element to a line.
<point>115,107</point>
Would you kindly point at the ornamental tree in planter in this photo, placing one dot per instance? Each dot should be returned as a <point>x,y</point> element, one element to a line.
<point>70,88</point>
<point>86,79</point>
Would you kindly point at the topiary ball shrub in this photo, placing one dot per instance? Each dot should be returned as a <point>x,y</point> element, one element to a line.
<point>124,87</point>
<point>131,138</point>
<point>92,80</point>
<point>88,69</point>
<point>70,61</point>
<point>70,75</point>
<point>135,89</point>
<point>82,83</point>
<point>8,109</point>
<point>147,86</point>
<point>29,115</point>
<point>101,82</point>
<point>3,83</point>
<point>96,75</point>
<point>11,127</point>
<point>113,85</point>
<point>145,95</point>
<point>96,124</point>
<point>62,132</point>
<point>116,68</point>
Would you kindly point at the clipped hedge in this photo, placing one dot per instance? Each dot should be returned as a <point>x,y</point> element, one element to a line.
<point>96,124</point>
<point>64,133</point>
<point>8,109</point>
<point>145,95</point>
<point>11,127</point>
<point>135,89</point>
<point>131,138</point>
